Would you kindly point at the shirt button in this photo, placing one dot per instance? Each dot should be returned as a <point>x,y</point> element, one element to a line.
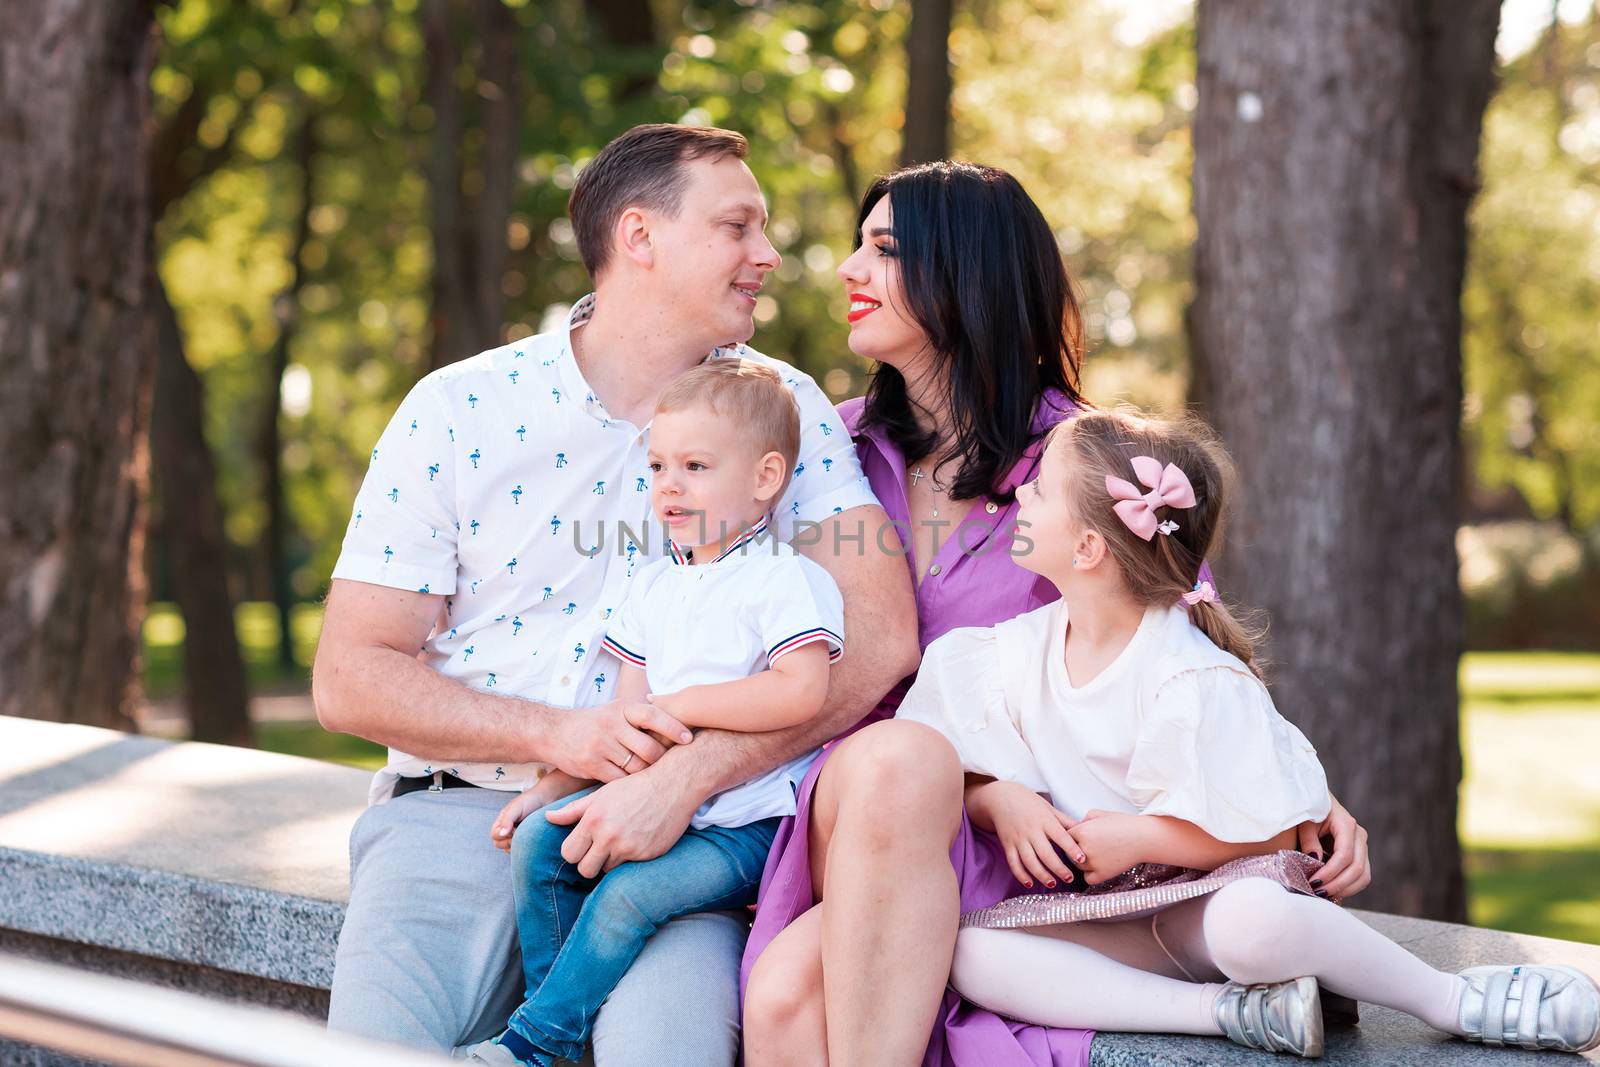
<point>991,507</point>
<point>934,570</point>
<point>566,679</point>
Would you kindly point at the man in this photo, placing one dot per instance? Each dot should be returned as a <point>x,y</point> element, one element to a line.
<point>503,514</point>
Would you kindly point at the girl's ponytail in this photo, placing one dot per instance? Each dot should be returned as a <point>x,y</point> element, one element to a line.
<point>1239,639</point>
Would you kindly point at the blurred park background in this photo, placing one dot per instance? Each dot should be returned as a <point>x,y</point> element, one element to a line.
<point>348,193</point>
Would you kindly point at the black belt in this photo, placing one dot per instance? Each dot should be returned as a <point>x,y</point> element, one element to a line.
<point>433,783</point>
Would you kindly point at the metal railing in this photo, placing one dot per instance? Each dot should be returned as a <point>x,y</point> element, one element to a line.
<point>130,1024</point>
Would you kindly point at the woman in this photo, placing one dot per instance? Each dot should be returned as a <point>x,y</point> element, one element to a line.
<point>959,293</point>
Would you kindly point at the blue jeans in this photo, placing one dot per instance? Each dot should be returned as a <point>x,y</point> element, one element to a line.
<point>580,935</point>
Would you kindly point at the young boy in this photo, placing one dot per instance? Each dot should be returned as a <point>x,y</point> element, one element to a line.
<point>733,631</point>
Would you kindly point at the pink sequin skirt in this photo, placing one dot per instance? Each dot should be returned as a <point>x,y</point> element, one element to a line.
<point>1144,890</point>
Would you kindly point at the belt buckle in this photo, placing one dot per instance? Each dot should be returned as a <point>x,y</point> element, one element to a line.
<point>437,785</point>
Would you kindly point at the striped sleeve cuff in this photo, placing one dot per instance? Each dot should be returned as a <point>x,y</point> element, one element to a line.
<point>621,652</point>
<point>806,637</point>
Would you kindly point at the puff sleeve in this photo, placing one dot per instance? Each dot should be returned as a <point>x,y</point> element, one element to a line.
<point>959,691</point>
<point>1212,749</point>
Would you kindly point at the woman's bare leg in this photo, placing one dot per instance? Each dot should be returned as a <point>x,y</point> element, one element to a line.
<point>885,813</point>
<point>784,1025</point>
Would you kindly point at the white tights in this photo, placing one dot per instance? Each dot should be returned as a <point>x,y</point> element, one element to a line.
<point>1160,976</point>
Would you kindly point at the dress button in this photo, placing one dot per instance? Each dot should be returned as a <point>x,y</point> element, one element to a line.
<point>934,570</point>
<point>991,507</point>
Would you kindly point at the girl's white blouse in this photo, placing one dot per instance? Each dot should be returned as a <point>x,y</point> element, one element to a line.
<point>1173,726</point>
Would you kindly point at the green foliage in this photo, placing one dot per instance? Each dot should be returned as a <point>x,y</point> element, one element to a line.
<point>1088,103</point>
<point>1532,296</point>
<point>1094,122</point>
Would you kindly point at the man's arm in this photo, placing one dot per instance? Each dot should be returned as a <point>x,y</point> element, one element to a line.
<point>368,681</point>
<point>641,816</point>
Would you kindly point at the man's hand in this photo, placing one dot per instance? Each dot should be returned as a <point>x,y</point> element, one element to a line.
<point>1347,870</point>
<point>634,818</point>
<point>614,739</point>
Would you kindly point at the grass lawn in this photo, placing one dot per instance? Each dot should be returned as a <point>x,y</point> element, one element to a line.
<point>1530,735</point>
<point>1530,798</point>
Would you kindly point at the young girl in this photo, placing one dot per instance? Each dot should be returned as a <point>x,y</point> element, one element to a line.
<point>1142,741</point>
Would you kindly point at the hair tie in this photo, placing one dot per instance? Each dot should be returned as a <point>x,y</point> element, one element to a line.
<point>1203,593</point>
<point>1169,487</point>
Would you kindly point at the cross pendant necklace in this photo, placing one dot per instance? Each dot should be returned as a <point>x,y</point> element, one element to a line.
<point>916,476</point>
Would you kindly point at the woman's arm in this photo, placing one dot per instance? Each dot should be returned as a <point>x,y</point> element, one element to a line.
<point>786,694</point>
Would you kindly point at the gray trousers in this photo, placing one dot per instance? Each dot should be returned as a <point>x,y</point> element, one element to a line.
<point>428,954</point>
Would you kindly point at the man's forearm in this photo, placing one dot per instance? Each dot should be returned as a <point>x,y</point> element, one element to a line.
<point>394,699</point>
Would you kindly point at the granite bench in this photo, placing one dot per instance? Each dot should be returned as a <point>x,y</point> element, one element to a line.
<point>223,871</point>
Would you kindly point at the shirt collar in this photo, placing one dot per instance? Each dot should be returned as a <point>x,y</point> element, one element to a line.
<point>685,556</point>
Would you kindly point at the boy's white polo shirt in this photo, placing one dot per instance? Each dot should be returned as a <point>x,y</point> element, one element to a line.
<point>700,624</point>
<point>502,483</point>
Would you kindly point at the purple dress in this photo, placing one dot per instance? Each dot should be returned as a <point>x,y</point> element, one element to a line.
<point>976,584</point>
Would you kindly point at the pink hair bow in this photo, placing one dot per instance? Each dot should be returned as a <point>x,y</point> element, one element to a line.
<point>1169,487</point>
<point>1202,592</point>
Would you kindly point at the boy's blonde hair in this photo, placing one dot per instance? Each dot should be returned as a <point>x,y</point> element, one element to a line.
<point>750,392</point>
<point>1162,569</point>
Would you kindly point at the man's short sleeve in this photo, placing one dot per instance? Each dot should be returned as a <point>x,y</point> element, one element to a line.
<point>827,477</point>
<point>799,605</point>
<point>403,530</point>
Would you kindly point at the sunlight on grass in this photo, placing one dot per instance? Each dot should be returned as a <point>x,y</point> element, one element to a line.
<point>257,625</point>
<point>1531,676</point>
<point>1530,794</point>
<point>310,740</point>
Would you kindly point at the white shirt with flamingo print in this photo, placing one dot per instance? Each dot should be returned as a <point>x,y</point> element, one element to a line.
<point>724,619</point>
<point>502,483</point>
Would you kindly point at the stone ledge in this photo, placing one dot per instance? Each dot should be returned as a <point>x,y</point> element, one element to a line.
<point>227,859</point>
<point>260,933</point>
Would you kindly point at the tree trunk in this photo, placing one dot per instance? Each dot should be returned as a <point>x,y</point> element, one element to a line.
<point>469,229</point>
<point>927,130</point>
<point>452,310</point>
<point>628,26</point>
<point>270,439</point>
<point>189,518</point>
<point>498,101</point>
<point>77,353</point>
<point>216,696</point>
<point>1335,156</point>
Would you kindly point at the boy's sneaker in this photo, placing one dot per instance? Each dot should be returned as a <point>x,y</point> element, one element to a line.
<point>495,1054</point>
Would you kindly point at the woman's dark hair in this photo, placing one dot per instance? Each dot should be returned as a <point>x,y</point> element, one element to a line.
<point>984,279</point>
